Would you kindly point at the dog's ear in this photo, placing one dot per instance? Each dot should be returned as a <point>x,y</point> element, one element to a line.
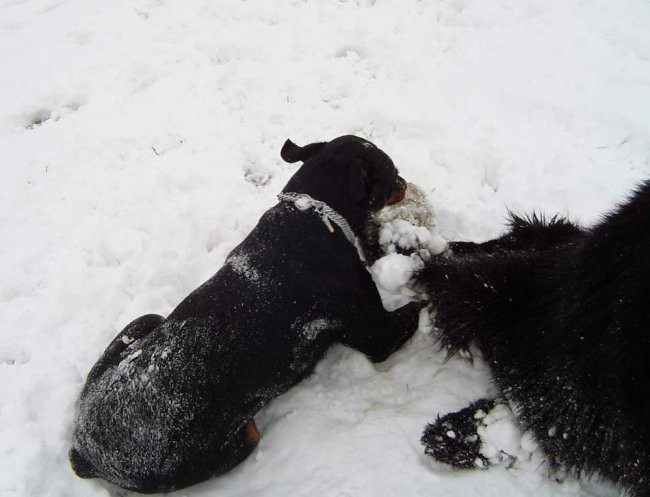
<point>358,179</point>
<point>293,153</point>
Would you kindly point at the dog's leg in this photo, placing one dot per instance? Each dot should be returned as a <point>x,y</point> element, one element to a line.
<point>377,332</point>
<point>397,329</point>
<point>135,330</point>
<point>370,242</point>
<point>252,433</point>
<point>237,448</point>
<point>454,439</point>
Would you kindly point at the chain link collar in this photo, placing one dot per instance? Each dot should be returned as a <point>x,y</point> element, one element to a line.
<point>303,202</point>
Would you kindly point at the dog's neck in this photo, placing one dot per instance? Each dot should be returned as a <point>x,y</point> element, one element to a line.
<point>304,202</point>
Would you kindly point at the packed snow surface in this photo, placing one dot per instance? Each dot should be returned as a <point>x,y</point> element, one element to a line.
<point>139,143</point>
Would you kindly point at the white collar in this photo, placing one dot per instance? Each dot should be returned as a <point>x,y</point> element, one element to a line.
<point>303,202</point>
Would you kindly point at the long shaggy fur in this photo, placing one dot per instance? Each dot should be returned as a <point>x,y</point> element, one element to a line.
<point>562,316</point>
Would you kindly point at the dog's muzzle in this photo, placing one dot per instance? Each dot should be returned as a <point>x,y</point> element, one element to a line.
<point>398,192</point>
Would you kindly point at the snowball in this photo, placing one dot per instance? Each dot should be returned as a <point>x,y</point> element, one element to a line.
<point>528,442</point>
<point>393,271</point>
<point>500,433</point>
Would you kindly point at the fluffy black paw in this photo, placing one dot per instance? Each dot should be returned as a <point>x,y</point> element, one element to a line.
<point>454,437</point>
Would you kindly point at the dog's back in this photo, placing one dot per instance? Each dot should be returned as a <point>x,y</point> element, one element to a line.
<point>154,413</point>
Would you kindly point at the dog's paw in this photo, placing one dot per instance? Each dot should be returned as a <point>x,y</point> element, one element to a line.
<point>454,439</point>
<point>483,434</point>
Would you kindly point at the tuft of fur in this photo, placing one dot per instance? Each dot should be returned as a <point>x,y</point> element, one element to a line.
<point>561,315</point>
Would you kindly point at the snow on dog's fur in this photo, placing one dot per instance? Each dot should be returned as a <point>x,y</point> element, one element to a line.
<point>561,315</point>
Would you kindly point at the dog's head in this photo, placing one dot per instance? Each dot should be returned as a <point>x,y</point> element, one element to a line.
<point>346,172</point>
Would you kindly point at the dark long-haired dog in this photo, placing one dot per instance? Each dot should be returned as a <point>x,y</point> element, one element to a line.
<point>562,316</point>
<point>171,401</point>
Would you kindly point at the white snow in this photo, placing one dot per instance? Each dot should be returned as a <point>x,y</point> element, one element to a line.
<point>312,329</point>
<point>139,143</point>
<point>504,443</point>
<point>241,264</point>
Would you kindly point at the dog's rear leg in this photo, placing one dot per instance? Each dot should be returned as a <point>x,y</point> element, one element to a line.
<point>238,447</point>
<point>204,466</point>
<point>252,433</point>
<point>135,330</point>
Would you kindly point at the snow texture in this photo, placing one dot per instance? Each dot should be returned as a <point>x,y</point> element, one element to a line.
<point>502,441</point>
<point>139,143</point>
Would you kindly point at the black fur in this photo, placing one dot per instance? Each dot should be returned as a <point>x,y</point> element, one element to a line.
<point>171,401</point>
<point>562,316</point>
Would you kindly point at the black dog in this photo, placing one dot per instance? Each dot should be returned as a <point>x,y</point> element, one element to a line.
<point>171,401</point>
<point>562,316</point>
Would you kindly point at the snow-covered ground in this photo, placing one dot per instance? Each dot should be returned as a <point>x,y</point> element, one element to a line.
<point>139,143</point>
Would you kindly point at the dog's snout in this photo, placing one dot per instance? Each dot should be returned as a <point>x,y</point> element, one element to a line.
<point>399,191</point>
